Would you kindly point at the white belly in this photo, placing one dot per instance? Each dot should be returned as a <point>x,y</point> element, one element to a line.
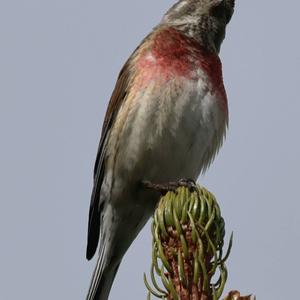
<point>163,139</point>
<point>167,138</point>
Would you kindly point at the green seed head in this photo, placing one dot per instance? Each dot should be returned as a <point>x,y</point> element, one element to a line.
<point>188,237</point>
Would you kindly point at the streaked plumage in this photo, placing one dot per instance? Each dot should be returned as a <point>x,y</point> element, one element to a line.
<point>165,121</point>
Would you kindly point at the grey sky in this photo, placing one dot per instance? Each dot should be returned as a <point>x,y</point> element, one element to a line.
<point>58,63</point>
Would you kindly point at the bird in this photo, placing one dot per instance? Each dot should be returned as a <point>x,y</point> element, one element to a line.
<point>166,120</point>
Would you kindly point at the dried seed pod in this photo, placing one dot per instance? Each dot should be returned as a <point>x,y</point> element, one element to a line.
<point>235,295</point>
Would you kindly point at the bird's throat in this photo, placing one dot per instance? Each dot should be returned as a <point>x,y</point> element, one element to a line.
<point>171,55</point>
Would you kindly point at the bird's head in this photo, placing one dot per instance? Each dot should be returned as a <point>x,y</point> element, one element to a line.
<point>204,20</point>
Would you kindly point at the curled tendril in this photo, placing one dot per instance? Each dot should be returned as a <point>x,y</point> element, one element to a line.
<point>188,237</point>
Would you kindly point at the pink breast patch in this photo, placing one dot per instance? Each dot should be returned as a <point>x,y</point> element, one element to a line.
<point>170,54</point>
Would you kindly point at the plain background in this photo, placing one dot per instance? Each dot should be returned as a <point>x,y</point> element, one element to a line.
<point>58,63</point>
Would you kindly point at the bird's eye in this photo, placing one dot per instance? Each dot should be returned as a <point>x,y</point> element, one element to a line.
<point>224,10</point>
<point>218,11</point>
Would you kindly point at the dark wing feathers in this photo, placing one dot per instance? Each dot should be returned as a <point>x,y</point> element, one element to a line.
<point>114,105</point>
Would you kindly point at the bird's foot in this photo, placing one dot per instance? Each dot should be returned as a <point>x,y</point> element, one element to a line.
<point>188,183</point>
<point>163,188</point>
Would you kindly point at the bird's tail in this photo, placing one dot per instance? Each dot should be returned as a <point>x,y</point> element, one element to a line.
<point>102,279</point>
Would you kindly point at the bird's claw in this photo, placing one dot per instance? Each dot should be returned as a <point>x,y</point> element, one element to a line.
<point>163,188</point>
<point>189,183</point>
<point>172,186</point>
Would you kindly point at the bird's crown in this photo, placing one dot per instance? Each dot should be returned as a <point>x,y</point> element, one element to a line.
<point>204,20</point>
